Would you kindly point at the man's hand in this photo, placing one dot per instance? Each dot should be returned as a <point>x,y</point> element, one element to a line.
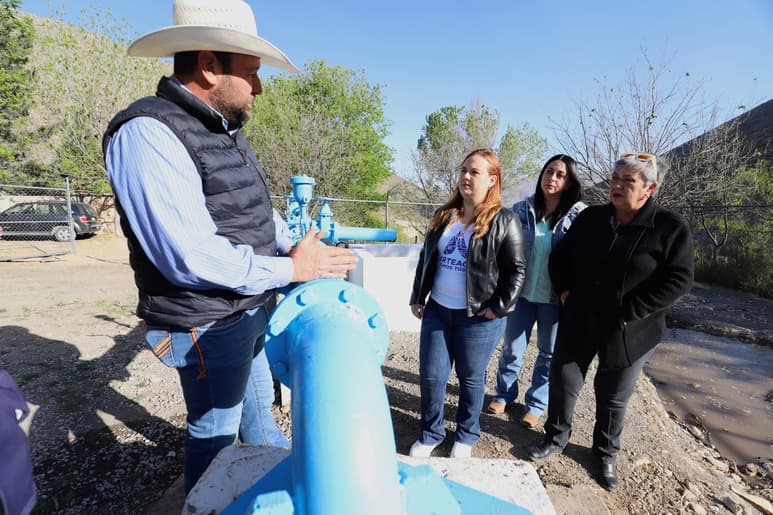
<point>564,295</point>
<point>417,310</point>
<point>312,259</point>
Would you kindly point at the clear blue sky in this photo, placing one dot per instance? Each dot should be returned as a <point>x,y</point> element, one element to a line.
<point>526,59</point>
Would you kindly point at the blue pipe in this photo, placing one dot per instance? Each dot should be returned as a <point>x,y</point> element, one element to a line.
<point>327,340</point>
<point>336,233</point>
<point>344,233</point>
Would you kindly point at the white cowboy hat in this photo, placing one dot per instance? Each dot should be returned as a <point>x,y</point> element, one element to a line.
<point>217,25</point>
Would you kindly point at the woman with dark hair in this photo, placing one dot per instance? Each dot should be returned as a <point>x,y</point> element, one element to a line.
<point>545,217</point>
<point>472,268</point>
<point>617,271</point>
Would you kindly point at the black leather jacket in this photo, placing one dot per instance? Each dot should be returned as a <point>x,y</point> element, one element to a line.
<point>496,268</point>
<point>621,281</point>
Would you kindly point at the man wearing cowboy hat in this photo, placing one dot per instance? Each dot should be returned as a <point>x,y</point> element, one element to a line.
<point>195,207</point>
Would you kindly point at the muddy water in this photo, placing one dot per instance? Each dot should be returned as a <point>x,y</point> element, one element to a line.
<point>727,384</point>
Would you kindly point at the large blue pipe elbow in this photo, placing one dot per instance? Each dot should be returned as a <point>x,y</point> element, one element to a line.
<point>326,341</point>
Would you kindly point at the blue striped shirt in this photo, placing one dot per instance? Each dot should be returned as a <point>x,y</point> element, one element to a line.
<point>160,192</point>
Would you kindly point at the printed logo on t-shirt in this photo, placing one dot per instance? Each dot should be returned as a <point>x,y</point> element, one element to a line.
<point>455,254</point>
<point>457,242</point>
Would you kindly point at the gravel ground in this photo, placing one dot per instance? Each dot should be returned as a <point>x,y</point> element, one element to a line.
<point>108,420</point>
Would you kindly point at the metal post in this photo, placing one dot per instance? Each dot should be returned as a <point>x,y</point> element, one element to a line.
<point>386,210</point>
<point>70,221</point>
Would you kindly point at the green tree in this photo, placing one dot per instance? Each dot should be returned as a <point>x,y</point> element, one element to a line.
<point>452,132</point>
<point>327,122</point>
<point>16,35</point>
<point>85,76</point>
<point>743,261</point>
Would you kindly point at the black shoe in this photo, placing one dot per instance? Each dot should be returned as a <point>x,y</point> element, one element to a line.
<point>608,475</point>
<point>543,451</point>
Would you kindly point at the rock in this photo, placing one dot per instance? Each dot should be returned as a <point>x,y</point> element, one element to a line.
<point>768,468</point>
<point>750,469</point>
<point>758,502</point>
<point>577,499</point>
<point>689,495</point>
<point>719,465</point>
<point>731,505</point>
<point>697,509</point>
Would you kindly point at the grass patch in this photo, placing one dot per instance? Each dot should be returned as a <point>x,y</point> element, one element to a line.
<point>115,308</point>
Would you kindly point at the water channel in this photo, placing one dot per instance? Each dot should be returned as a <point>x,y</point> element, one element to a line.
<point>725,384</point>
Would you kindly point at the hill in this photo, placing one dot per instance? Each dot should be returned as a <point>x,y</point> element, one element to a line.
<point>755,127</point>
<point>82,77</point>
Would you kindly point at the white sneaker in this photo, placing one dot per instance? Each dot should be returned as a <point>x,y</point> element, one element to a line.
<point>461,450</point>
<point>420,450</point>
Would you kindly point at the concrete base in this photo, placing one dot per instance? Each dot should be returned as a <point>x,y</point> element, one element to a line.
<point>386,272</point>
<point>231,473</point>
<point>238,467</point>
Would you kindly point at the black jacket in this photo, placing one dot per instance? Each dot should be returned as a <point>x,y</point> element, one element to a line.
<point>495,266</point>
<point>237,198</point>
<point>621,279</point>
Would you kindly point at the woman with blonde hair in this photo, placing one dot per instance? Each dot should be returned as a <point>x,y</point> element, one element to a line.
<point>472,268</point>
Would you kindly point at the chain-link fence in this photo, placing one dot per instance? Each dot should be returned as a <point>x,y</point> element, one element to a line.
<point>409,218</point>
<point>38,222</point>
<point>732,242</point>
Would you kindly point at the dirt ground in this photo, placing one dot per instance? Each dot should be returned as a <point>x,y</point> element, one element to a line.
<point>108,420</point>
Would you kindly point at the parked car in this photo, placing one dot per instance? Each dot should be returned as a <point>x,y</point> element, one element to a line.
<point>48,219</point>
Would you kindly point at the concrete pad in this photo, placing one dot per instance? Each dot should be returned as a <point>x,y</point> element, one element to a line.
<point>238,467</point>
<point>386,272</point>
<point>513,481</point>
<point>235,469</point>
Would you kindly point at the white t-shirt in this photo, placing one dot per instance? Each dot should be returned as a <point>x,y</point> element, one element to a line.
<point>450,286</point>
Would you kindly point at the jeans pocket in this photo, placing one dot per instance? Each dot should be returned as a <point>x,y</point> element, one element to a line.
<point>160,342</point>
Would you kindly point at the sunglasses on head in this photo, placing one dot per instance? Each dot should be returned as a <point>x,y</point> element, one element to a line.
<point>639,157</point>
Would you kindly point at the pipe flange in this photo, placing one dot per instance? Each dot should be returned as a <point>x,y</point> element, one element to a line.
<point>325,294</point>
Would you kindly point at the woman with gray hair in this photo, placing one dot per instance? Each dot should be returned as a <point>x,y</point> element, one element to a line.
<point>618,269</point>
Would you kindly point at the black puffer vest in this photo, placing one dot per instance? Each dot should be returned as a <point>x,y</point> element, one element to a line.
<point>237,198</point>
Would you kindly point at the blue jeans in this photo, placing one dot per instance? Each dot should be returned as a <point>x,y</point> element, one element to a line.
<point>226,383</point>
<point>519,326</point>
<point>450,338</point>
